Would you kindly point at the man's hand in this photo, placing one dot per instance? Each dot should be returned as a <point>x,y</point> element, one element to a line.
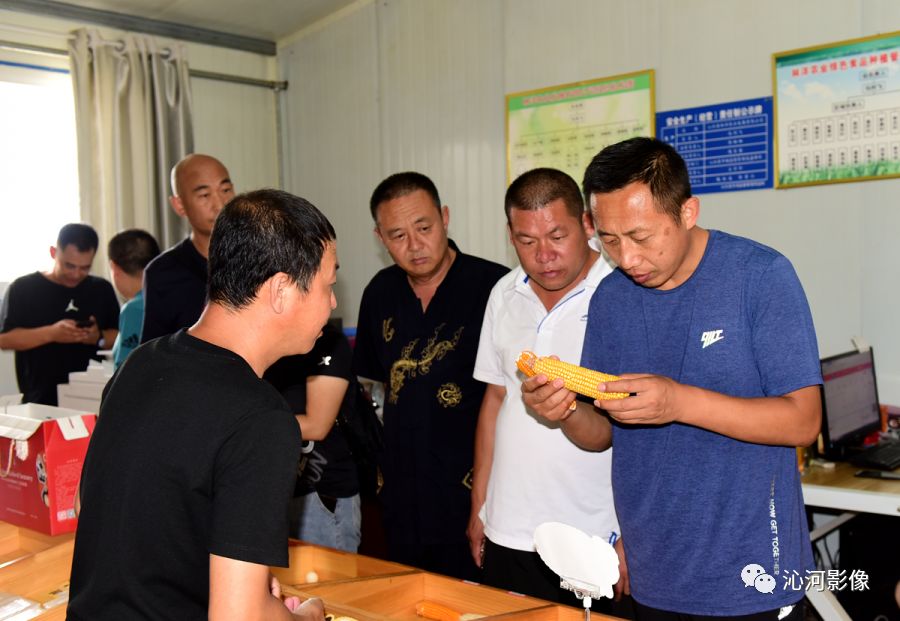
<point>275,587</point>
<point>65,331</point>
<point>792,419</point>
<point>623,586</point>
<point>312,609</point>
<point>549,400</point>
<point>654,400</point>
<point>554,402</point>
<point>475,533</point>
<point>93,333</point>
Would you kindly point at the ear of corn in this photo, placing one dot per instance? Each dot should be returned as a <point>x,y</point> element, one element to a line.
<point>576,378</point>
<point>436,612</point>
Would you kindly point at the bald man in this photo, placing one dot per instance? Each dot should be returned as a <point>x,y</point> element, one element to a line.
<point>175,282</point>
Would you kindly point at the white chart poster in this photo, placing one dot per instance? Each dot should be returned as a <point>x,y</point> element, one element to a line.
<point>837,112</point>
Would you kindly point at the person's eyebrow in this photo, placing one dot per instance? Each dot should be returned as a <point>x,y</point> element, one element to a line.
<point>638,229</point>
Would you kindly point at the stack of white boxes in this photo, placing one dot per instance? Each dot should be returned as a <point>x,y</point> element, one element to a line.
<point>85,387</point>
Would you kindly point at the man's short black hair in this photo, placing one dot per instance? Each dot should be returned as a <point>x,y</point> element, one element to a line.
<point>537,188</point>
<point>401,184</point>
<point>132,250</point>
<point>643,160</point>
<point>82,236</point>
<point>259,234</point>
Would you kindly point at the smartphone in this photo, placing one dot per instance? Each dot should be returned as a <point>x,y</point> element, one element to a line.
<point>84,323</point>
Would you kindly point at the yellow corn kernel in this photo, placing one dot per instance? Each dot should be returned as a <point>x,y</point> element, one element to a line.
<point>576,378</point>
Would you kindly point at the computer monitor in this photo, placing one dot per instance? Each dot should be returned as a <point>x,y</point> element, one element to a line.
<point>850,409</point>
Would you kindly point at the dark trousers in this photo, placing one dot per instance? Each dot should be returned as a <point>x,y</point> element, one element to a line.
<point>646,613</point>
<point>525,573</point>
<point>450,559</point>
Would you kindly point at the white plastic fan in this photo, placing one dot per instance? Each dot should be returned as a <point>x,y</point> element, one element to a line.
<point>586,565</point>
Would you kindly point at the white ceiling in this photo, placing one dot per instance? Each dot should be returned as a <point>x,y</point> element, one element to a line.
<point>263,19</point>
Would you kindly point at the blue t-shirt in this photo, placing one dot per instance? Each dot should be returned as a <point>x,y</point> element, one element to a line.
<point>131,320</point>
<point>697,508</point>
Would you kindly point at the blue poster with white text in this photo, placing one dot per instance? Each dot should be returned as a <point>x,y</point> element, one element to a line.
<point>727,147</point>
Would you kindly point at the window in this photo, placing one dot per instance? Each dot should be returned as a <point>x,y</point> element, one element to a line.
<point>38,165</point>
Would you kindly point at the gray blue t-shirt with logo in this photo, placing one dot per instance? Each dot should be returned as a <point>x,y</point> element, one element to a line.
<point>711,525</point>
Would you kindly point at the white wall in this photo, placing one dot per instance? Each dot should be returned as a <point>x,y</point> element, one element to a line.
<point>365,101</point>
<point>410,84</point>
<point>235,122</point>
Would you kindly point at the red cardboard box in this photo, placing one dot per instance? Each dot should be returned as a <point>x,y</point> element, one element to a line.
<point>42,451</point>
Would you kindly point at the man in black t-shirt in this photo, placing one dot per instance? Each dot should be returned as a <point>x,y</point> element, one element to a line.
<point>54,320</point>
<point>186,482</point>
<point>175,282</point>
<point>417,332</point>
<point>319,385</point>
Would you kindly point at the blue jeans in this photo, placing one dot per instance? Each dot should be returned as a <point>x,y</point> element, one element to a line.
<point>311,521</point>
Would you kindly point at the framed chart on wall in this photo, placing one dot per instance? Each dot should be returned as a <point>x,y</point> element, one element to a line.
<point>837,112</point>
<point>565,126</point>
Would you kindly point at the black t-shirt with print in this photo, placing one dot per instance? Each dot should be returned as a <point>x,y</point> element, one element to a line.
<point>192,455</point>
<point>326,466</point>
<point>425,360</point>
<point>34,301</point>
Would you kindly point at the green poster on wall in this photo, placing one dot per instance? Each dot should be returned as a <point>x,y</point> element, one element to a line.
<point>565,126</point>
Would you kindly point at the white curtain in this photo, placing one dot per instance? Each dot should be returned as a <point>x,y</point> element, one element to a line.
<point>133,118</point>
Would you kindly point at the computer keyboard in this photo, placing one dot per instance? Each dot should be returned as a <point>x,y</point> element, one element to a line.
<point>884,456</point>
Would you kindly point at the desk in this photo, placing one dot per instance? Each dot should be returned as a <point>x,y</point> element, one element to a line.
<point>838,489</point>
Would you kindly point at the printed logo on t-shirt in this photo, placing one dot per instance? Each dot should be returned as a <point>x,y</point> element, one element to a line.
<point>325,361</point>
<point>387,332</point>
<point>449,395</point>
<point>71,307</point>
<point>469,479</point>
<point>409,366</point>
<point>711,336</point>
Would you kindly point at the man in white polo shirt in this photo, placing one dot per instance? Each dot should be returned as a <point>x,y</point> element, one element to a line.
<point>526,471</point>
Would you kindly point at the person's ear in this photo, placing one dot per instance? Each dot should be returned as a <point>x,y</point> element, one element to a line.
<point>278,289</point>
<point>53,252</point>
<point>177,205</point>
<point>445,217</point>
<point>690,212</point>
<point>587,221</point>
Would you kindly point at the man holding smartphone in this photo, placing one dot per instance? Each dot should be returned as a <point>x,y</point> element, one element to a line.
<point>54,320</point>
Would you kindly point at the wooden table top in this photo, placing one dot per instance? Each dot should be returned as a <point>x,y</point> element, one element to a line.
<point>837,488</point>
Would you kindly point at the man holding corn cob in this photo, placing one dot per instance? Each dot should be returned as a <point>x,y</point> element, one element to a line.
<point>714,341</point>
<point>540,305</point>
